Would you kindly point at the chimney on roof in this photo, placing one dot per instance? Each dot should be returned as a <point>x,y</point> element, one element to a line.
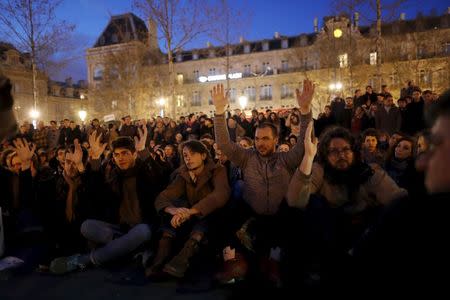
<point>316,25</point>
<point>241,39</point>
<point>277,35</point>
<point>402,17</point>
<point>356,18</point>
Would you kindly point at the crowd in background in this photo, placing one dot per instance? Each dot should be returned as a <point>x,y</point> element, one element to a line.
<point>159,182</point>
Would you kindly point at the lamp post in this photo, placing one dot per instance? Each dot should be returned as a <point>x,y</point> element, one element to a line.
<point>243,100</point>
<point>34,114</point>
<point>161,102</point>
<point>82,114</point>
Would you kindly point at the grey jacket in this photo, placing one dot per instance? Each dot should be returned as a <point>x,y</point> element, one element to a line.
<point>266,179</point>
<point>380,189</point>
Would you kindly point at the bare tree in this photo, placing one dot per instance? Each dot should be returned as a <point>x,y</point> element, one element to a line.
<point>179,22</point>
<point>372,12</point>
<point>32,26</point>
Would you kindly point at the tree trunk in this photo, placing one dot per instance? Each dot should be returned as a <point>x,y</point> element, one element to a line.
<point>33,55</point>
<point>378,44</point>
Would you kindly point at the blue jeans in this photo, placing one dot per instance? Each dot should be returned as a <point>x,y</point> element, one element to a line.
<point>116,242</point>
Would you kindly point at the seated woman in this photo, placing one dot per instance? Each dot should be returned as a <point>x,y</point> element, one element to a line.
<point>400,166</point>
<point>202,186</point>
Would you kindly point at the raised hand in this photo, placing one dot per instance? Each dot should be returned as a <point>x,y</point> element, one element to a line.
<point>96,147</point>
<point>219,98</point>
<point>310,142</point>
<point>304,98</point>
<point>140,142</point>
<point>24,150</point>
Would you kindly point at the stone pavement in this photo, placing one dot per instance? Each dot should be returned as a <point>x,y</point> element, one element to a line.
<point>92,284</point>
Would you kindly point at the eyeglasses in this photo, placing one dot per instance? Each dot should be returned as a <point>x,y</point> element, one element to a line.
<point>337,152</point>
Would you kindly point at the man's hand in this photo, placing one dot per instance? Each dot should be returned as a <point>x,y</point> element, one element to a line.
<point>175,210</point>
<point>25,152</point>
<point>304,98</point>
<point>76,156</point>
<point>219,98</point>
<point>96,147</point>
<point>310,142</point>
<point>140,142</point>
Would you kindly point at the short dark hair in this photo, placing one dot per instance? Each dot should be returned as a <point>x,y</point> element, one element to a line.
<point>439,108</point>
<point>206,136</point>
<point>53,122</point>
<point>387,95</point>
<point>427,92</point>
<point>272,127</point>
<point>196,147</point>
<point>124,142</point>
<point>370,132</point>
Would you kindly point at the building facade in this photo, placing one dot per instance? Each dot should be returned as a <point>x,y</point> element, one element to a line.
<point>55,100</point>
<point>340,57</point>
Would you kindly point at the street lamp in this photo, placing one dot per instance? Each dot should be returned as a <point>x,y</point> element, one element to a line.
<point>161,102</point>
<point>243,100</point>
<point>337,33</point>
<point>82,114</point>
<point>34,114</point>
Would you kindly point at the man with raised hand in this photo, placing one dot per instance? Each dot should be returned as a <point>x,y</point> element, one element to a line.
<point>266,176</point>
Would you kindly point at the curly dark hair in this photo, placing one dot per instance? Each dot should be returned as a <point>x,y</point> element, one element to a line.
<point>333,133</point>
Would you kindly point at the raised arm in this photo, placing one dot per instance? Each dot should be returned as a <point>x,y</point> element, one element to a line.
<point>304,100</point>
<point>303,183</point>
<point>236,154</point>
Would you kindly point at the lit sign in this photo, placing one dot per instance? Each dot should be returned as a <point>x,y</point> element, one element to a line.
<point>219,77</point>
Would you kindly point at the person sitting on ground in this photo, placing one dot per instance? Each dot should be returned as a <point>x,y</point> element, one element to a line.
<point>130,189</point>
<point>202,184</point>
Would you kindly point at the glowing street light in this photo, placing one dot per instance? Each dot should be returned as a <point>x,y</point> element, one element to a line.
<point>335,86</point>
<point>161,102</point>
<point>337,33</point>
<point>82,114</point>
<point>243,100</point>
<point>34,114</point>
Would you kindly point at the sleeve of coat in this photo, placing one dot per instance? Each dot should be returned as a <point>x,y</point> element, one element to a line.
<point>383,187</point>
<point>174,191</point>
<point>295,155</point>
<point>237,155</point>
<point>302,186</point>
<point>219,196</point>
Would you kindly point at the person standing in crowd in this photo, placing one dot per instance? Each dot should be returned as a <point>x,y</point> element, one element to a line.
<point>415,118</point>
<point>348,113</point>
<point>53,135</point>
<point>40,136</point>
<point>388,117</point>
<point>127,129</point>
<point>7,119</point>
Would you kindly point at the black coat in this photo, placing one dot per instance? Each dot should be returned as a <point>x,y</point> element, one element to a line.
<point>151,178</point>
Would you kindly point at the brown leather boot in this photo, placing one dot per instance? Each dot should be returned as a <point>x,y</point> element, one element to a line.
<point>233,270</point>
<point>163,252</point>
<point>180,263</point>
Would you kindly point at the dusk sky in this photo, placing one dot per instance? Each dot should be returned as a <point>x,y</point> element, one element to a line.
<point>289,17</point>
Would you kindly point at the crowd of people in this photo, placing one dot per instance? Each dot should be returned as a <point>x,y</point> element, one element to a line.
<point>277,196</point>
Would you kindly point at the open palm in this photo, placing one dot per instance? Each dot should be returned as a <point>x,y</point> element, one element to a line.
<point>304,98</point>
